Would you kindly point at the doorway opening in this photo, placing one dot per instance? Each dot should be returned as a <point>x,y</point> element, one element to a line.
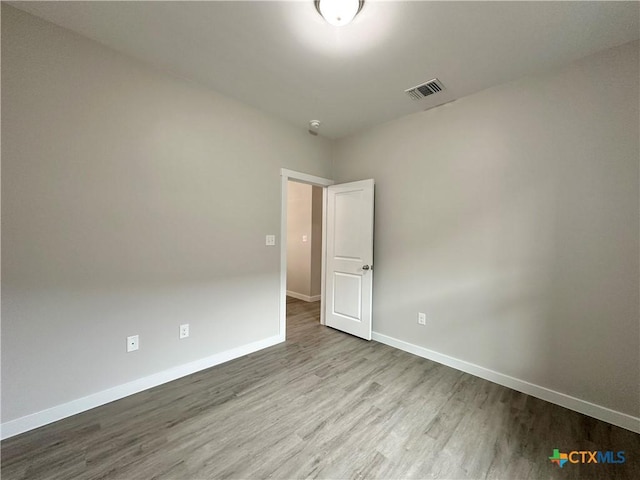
<point>347,253</point>
<point>304,257</point>
<point>302,254</point>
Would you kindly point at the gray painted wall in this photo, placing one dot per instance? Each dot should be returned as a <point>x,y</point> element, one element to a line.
<point>304,259</point>
<point>299,251</point>
<point>511,218</point>
<point>132,202</point>
<point>316,241</point>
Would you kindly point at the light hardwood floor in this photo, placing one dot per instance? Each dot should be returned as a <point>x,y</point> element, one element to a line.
<point>322,405</point>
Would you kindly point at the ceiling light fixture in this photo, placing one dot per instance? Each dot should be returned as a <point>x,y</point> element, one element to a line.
<point>338,12</point>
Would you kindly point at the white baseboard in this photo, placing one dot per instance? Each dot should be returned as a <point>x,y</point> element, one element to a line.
<point>44,417</point>
<point>300,296</point>
<point>53,414</point>
<point>582,406</point>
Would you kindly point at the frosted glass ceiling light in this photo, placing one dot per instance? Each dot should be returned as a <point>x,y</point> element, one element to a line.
<point>338,12</point>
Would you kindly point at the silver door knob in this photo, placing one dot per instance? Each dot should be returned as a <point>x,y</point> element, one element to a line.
<point>365,267</point>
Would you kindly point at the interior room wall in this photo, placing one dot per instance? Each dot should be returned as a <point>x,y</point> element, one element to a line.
<point>316,241</point>
<point>298,249</point>
<point>511,218</point>
<point>304,257</point>
<point>132,202</point>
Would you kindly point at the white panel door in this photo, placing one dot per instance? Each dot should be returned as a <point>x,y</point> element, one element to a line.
<point>349,267</point>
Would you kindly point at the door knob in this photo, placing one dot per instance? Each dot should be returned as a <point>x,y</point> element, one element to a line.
<point>365,267</point>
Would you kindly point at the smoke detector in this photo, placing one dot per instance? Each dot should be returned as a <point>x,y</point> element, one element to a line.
<point>425,89</point>
<point>314,126</point>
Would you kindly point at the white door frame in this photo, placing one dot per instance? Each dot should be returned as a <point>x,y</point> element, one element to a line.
<point>299,177</point>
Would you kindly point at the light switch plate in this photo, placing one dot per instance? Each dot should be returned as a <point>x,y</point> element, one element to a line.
<point>270,240</point>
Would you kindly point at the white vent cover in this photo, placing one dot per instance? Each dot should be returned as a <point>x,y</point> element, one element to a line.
<point>425,89</point>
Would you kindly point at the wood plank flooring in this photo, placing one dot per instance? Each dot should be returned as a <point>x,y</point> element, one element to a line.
<point>323,404</point>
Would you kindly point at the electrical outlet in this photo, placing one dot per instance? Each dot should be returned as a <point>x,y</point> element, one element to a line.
<point>184,330</point>
<point>270,240</point>
<point>133,343</point>
<point>422,318</point>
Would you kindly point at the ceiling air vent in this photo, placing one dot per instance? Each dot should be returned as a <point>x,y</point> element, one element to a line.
<point>426,89</point>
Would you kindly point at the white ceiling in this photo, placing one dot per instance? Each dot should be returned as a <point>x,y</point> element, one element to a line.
<point>282,58</point>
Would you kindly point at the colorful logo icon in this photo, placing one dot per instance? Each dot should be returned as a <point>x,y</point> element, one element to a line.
<point>559,458</point>
<point>587,456</point>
